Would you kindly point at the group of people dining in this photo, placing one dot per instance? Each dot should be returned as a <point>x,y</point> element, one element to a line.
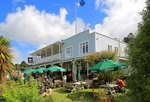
<point>46,83</point>
<point>45,90</point>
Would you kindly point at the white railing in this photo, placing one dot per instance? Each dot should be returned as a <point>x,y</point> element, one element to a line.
<point>47,59</point>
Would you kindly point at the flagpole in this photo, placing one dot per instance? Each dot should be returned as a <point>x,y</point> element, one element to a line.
<point>75,17</point>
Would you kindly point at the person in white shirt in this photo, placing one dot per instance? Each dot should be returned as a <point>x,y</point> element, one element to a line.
<point>64,78</point>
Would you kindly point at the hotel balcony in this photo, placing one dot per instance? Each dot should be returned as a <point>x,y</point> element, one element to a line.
<point>47,59</point>
<point>50,53</point>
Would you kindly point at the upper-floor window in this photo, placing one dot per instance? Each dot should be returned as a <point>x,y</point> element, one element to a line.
<point>48,51</point>
<point>68,51</point>
<point>84,46</point>
<point>110,48</point>
<point>43,54</point>
<point>116,50</point>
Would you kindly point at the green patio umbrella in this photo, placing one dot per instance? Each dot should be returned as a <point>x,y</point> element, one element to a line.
<point>56,69</point>
<point>30,70</point>
<point>109,65</point>
<point>40,70</point>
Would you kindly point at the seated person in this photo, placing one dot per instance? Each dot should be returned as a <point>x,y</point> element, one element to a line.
<point>121,85</point>
<point>42,89</point>
<point>47,93</point>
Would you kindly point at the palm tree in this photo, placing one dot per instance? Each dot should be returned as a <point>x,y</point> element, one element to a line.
<point>6,57</point>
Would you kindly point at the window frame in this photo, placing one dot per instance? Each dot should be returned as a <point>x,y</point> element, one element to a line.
<point>110,50</point>
<point>83,47</point>
<point>69,48</point>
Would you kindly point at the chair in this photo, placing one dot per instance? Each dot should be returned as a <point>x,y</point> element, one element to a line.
<point>69,87</point>
<point>57,83</point>
<point>88,83</point>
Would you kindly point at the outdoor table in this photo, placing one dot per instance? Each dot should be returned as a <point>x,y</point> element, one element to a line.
<point>79,85</point>
<point>109,88</point>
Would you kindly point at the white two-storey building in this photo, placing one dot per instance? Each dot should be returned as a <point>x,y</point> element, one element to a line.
<point>66,53</point>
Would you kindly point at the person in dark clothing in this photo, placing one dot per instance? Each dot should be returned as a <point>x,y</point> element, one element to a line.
<point>54,78</point>
<point>92,76</point>
<point>89,76</point>
<point>69,78</point>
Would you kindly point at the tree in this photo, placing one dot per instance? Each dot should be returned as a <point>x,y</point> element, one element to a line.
<point>129,38</point>
<point>96,57</point>
<point>23,65</point>
<point>6,57</point>
<point>139,58</point>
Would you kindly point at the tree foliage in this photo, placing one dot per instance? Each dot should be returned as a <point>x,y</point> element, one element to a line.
<point>19,92</point>
<point>6,57</point>
<point>96,57</point>
<point>129,38</point>
<point>23,65</point>
<point>139,58</point>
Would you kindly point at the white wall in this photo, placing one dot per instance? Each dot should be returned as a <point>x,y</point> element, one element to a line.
<point>102,42</point>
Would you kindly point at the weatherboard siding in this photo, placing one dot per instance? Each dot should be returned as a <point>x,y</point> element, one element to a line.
<point>96,42</point>
<point>75,41</point>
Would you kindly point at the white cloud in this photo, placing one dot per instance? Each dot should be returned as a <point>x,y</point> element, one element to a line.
<point>97,3</point>
<point>38,27</point>
<point>31,51</point>
<point>122,16</point>
<point>17,1</point>
<point>17,55</point>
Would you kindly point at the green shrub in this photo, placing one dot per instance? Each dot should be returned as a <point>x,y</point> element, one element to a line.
<point>109,76</point>
<point>14,92</point>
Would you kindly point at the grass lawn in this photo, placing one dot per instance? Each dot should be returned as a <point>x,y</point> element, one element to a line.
<point>123,97</point>
<point>59,95</point>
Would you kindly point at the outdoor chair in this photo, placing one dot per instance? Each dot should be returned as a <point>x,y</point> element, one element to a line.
<point>123,90</point>
<point>70,87</point>
<point>88,83</point>
<point>57,83</point>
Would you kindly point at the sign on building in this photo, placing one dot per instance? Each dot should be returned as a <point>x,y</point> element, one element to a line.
<point>30,60</point>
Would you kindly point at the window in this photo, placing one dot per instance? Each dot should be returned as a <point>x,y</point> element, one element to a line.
<point>69,52</point>
<point>84,47</point>
<point>110,48</point>
<point>116,50</point>
<point>48,51</point>
<point>43,54</point>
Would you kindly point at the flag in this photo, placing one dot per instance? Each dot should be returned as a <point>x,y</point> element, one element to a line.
<point>81,3</point>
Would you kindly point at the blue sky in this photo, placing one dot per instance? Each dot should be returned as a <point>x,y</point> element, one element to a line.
<point>33,24</point>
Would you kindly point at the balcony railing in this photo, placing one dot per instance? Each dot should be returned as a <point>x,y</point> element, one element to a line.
<point>47,59</point>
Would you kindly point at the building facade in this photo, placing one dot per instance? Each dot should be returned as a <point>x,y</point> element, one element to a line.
<point>70,53</point>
